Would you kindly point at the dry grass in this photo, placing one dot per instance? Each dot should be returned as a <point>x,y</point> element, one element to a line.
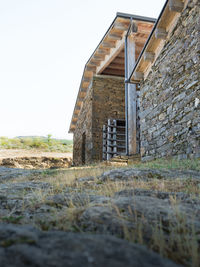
<point>178,185</point>
<point>178,242</point>
<point>171,163</point>
<point>69,178</point>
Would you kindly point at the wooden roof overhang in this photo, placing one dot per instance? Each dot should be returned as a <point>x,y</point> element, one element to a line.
<point>108,57</point>
<point>160,33</point>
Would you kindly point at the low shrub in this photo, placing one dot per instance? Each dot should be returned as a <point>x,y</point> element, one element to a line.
<point>40,143</point>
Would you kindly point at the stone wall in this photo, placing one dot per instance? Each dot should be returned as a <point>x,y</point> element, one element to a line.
<point>105,99</point>
<point>108,103</point>
<point>170,109</point>
<point>84,125</point>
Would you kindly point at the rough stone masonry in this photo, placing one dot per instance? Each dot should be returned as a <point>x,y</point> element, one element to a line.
<point>105,100</point>
<point>170,106</point>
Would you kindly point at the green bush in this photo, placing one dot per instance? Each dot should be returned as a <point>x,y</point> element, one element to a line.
<point>40,143</point>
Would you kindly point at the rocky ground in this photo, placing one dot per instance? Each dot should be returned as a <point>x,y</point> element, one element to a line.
<point>95,216</point>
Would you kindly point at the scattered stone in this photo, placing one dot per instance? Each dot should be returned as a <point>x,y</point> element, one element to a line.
<point>134,173</point>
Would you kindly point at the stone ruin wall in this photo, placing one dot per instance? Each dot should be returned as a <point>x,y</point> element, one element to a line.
<point>170,113</point>
<point>105,99</point>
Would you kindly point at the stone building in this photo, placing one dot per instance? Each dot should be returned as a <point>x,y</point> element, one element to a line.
<point>159,100</point>
<point>104,99</point>
<point>169,66</point>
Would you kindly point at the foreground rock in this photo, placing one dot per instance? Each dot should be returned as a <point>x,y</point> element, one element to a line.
<point>133,173</point>
<point>111,204</point>
<point>12,173</point>
<point>25,246</point>
<point>143,211</point>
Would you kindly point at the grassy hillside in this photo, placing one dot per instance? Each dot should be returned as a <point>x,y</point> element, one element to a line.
<point>40,143</point>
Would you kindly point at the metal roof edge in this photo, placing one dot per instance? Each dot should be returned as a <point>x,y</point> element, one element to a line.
<point>135,17</point>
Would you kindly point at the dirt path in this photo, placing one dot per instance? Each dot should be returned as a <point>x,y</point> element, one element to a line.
<point>13,153</point>
<point>34,159</point>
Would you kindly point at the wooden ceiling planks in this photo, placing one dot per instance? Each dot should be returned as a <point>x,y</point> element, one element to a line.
<point>113,54</point>
<point>119,59</point>
<point>117,66</point>
<point>114,72</point>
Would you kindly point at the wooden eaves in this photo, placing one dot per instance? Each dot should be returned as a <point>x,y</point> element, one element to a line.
<point>161,31</point>
<point>108,57</point>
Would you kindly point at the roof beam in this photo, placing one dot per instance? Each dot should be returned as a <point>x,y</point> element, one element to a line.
<point>113,53</point>
<point>138,75</point>
<point>144,29</point>
<point>92,63</point>
<point>108,44</point>
<point>95,60</point>
<point>90,68</point>
<point>84,85</point>
<point>88,74</point>
<point>149,56</point>
<point>140,39</point>
<point>160,33</point>
<point>83,90</point>
<point>114,36</point>
<point>120,26</point>
<point>176,5</point>
<point>103,51</point>
<point>99,57</point>
<point>86,79</point>
<point>80,99</point>
<point>139,45</point>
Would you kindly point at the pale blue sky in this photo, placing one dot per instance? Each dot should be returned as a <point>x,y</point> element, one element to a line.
<point>44,45</point>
